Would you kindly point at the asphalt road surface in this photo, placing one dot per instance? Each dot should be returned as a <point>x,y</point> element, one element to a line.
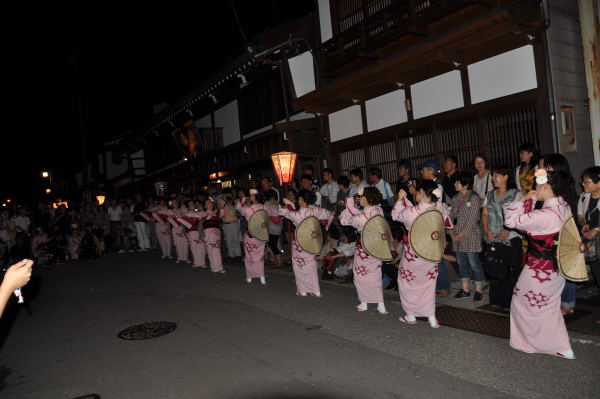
<point>239,340</point>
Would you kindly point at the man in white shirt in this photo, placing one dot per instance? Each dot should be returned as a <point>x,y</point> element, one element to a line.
<point>22,222</point>
<point>384,187</point>
<point>356,182</point>
<point>329,190</point>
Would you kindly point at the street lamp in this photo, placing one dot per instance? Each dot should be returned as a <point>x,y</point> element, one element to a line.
<point>284,164</point>
<point>48,191</point>
<point>45,174</point>
<point>100,199</point>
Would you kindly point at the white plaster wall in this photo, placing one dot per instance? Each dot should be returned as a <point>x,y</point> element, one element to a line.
<point>345,123</point>
<point>303,73</point>
<point>501,75</point>
<point>438,94</point>
<point>227,117</point>
<point>325,20</point>
<point>386,110</point>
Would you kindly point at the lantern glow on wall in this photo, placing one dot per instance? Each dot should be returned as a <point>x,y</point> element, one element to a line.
<point>284,164</point>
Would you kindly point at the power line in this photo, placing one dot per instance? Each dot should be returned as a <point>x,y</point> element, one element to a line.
<point>238,21</point>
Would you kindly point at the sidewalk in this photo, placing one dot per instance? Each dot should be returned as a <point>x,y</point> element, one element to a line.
<point>583,320</point>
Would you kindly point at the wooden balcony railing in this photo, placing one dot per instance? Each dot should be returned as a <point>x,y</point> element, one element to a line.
<point>364,25</point>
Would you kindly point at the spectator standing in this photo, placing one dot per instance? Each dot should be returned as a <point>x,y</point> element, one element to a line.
<point>375,176</point>
<point>306,182</point>
<point>430,170</point>
<point>266,184</point>
<point>405,179</point>
<point>482,181</point>
<point>450,171</point>
<point>525,172</point>
<point>588,215</point>
<point>115,214</point>
<point>356,182</point>
<point>466,236</point>
<point>503,246</point>
<point>329,190</point>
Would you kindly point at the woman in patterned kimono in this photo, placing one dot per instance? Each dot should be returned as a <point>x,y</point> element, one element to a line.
<point>163,229</point>
<point>366,269</point>
<point>192,220</point>
<point>254,250</point>
<point>536,322</point>
<point>178,231</point>
<point>416,276</point>
<point>304,263</point>
<point>212,235</point>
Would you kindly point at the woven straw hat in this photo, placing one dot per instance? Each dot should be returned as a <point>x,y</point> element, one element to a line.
<point>571,261</point>
<point>258,225</point>
<point>427,236</point>
<point>310,236</point>
<point>376,238</point>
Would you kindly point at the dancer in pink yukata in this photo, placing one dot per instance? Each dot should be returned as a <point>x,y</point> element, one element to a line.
<point>254,250</point>
<point>304,263</point>
<point>416,276</point>
<point>536,322</point>
<point>212,235</point>
<point>193,221</point>
<point>366,268</point>
<point>163,229</point>
<point>179,238</point>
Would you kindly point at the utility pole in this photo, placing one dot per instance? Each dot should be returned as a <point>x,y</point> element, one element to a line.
<point>80,109</point>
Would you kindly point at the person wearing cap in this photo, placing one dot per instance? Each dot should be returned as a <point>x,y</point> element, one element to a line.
<point>429,170</point>
<point>417,276</point>
<point>254,250</point>
<point>304,263</point>
<point>366,268</point>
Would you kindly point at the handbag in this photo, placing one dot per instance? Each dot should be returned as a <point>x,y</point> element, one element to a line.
<point>591,250</point>
<point>495,264</point>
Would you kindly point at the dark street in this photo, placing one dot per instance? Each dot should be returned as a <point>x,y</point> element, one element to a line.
<point>239,340</point>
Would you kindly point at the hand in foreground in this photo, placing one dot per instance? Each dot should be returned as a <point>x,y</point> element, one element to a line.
<point>590,234</point>
<point>18,274</point>
<point>401,195</point>
<point>503,235</point>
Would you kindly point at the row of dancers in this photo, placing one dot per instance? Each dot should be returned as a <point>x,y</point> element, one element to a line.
<point>537,325</point>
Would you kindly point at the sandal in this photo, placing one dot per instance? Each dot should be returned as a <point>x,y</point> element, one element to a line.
<point>405,320</point>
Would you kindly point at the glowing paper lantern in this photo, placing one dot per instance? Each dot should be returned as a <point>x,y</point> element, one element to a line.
<point>284,164</point>
<point>100,199</point>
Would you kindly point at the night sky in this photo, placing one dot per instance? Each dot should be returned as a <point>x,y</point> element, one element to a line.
<point>127,60</point>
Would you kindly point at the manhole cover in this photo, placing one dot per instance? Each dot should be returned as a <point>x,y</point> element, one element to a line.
<point>147,330</point>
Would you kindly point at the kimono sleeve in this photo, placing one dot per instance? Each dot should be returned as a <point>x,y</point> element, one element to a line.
<point>402,211</point>
<point>351,216</point>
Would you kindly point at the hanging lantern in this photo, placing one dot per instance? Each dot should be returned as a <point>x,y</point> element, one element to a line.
<point>284,164</point>
<point>100,199</point>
